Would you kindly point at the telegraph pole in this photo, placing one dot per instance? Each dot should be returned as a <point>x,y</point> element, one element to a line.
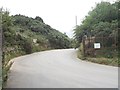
<point>76,20</point>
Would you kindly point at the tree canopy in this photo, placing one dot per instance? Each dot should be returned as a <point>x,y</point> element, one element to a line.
<point>101,21</point>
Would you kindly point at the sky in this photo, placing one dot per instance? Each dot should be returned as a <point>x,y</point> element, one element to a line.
<point>59,14</point>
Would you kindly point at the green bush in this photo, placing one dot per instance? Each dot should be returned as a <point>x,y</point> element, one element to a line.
<point>27,46</point>
<point>80,52</point>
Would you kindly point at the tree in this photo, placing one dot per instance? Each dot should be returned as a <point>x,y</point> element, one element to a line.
<point>101,21</point>
<point>39,19</point>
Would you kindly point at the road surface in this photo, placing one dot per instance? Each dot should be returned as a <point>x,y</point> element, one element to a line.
<point>60,69</point>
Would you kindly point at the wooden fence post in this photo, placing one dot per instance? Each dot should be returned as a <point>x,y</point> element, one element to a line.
<point>83,41</point>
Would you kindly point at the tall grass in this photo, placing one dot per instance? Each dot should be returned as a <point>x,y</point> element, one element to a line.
<point>7,64</point>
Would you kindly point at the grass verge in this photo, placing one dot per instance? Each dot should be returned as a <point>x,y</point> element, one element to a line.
<point>100,60</point>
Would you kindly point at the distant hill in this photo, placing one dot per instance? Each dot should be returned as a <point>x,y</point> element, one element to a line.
<point>41,31</point>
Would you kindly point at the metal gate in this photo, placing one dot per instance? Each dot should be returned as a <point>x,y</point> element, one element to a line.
<point>100,46</point>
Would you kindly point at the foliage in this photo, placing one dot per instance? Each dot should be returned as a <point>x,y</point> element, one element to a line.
<point>102,60</point>
<point>55,38</point>
<point>27,46</point>
<point>101,21</point>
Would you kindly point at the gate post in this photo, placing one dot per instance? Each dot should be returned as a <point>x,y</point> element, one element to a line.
<point>83,41</point>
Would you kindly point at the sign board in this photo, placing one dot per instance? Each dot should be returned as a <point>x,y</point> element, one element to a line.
<point>34,40</point>
<point>96,45</point>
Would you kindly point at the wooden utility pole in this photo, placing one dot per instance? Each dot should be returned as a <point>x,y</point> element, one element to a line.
<point>76,20</point>
<point>1,56</point>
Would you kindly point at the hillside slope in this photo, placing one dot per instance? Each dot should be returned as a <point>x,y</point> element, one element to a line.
<point>24,35</point>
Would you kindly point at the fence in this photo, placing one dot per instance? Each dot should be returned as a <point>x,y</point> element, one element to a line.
<point>100,46</point>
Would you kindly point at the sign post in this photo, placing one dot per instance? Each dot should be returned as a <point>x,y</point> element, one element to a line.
<point>96,46</point>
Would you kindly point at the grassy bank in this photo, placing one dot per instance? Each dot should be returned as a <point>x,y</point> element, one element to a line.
<point>7,56</point>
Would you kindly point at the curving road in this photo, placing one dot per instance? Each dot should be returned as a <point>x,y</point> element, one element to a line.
<point>60,69</point>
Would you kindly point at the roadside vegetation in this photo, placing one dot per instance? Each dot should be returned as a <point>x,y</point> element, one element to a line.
<point>24,35</point>
<point>101,21</point>
<point>100,59</point>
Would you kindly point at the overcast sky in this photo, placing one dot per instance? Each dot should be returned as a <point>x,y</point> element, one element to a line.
<point>59,14</point>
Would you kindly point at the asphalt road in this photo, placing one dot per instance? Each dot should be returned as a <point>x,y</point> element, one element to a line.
<point>60,69</point>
